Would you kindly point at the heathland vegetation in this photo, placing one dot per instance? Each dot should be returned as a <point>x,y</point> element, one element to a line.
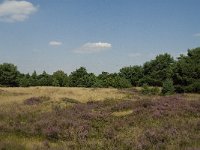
<point>181,75</point>
<point>155,106</point>
<point>55,118</point>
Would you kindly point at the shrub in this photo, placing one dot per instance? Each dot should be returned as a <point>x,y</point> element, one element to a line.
<point>120,82</point>
<point>98,84</point>
<point>149,81</point>
<point>168,87</point>
<point>24,82</point>
<point>146,90</point>
<point>195,87</point>
<point>155,91</point>
<point>179,89</point>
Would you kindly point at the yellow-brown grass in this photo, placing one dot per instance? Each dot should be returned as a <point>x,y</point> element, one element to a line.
<point>12,102</point>
<point>122,113</point>
<point>8,95</point>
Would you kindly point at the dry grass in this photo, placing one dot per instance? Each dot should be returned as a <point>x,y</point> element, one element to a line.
<point>8,95</point>
<point>79,118</point>
<point>192,97</point>
<point>122,113</point>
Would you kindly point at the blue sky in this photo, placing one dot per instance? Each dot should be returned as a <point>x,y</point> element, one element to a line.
<point>102,35</point>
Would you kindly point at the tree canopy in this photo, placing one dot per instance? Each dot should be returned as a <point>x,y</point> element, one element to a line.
<point>8,74</point>
<point>163,70</point>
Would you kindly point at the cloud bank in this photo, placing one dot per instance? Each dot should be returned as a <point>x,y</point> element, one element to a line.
<point>55,43</point>
<point>14,11</point>
<point>93,47</point>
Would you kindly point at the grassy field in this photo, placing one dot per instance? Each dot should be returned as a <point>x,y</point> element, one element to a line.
<point>79,118</point>
<point>57,93</point>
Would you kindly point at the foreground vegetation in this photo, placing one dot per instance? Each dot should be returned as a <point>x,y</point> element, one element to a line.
<point>78,118</point>
<point>181,75</point>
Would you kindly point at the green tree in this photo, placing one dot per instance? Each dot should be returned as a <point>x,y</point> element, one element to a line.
<point>132,73</point>
<point>76,78</point>
<point>44,79</point>
<point>158,69</point>
<point>113,80</point>
<point>187,71</point>
<point>120,82</point>
<point>8,74</point>
<point>34,79</point>
<point>187,68</point>
<point>168,87</point>
<point>55,82</point>
<point>61,78</point>
<point>88,80</point>
<point>24,81</point>
<point>103,80</point>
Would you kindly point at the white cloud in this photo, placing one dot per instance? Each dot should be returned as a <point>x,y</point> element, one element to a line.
<point>55,43</point>
<point>134,55</point>
<point>13,11</point>
<point>197,34</point>
<point>93,47</point>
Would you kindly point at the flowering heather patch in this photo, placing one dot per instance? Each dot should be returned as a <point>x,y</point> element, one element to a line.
<point>169,122</point>
<point>36,100</point>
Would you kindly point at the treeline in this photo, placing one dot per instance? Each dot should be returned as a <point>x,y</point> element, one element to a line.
<point>184,73</point>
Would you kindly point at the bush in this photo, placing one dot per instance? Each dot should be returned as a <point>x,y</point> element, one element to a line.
<point>146,90</point>
<point>24,82</point>
<point>179,89</point>
<point>155,91</point>
<point>98,84</point>
<point>168,87</point>
<point>150,81</point>
<point>195,87</point>
<point>120,82</point>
